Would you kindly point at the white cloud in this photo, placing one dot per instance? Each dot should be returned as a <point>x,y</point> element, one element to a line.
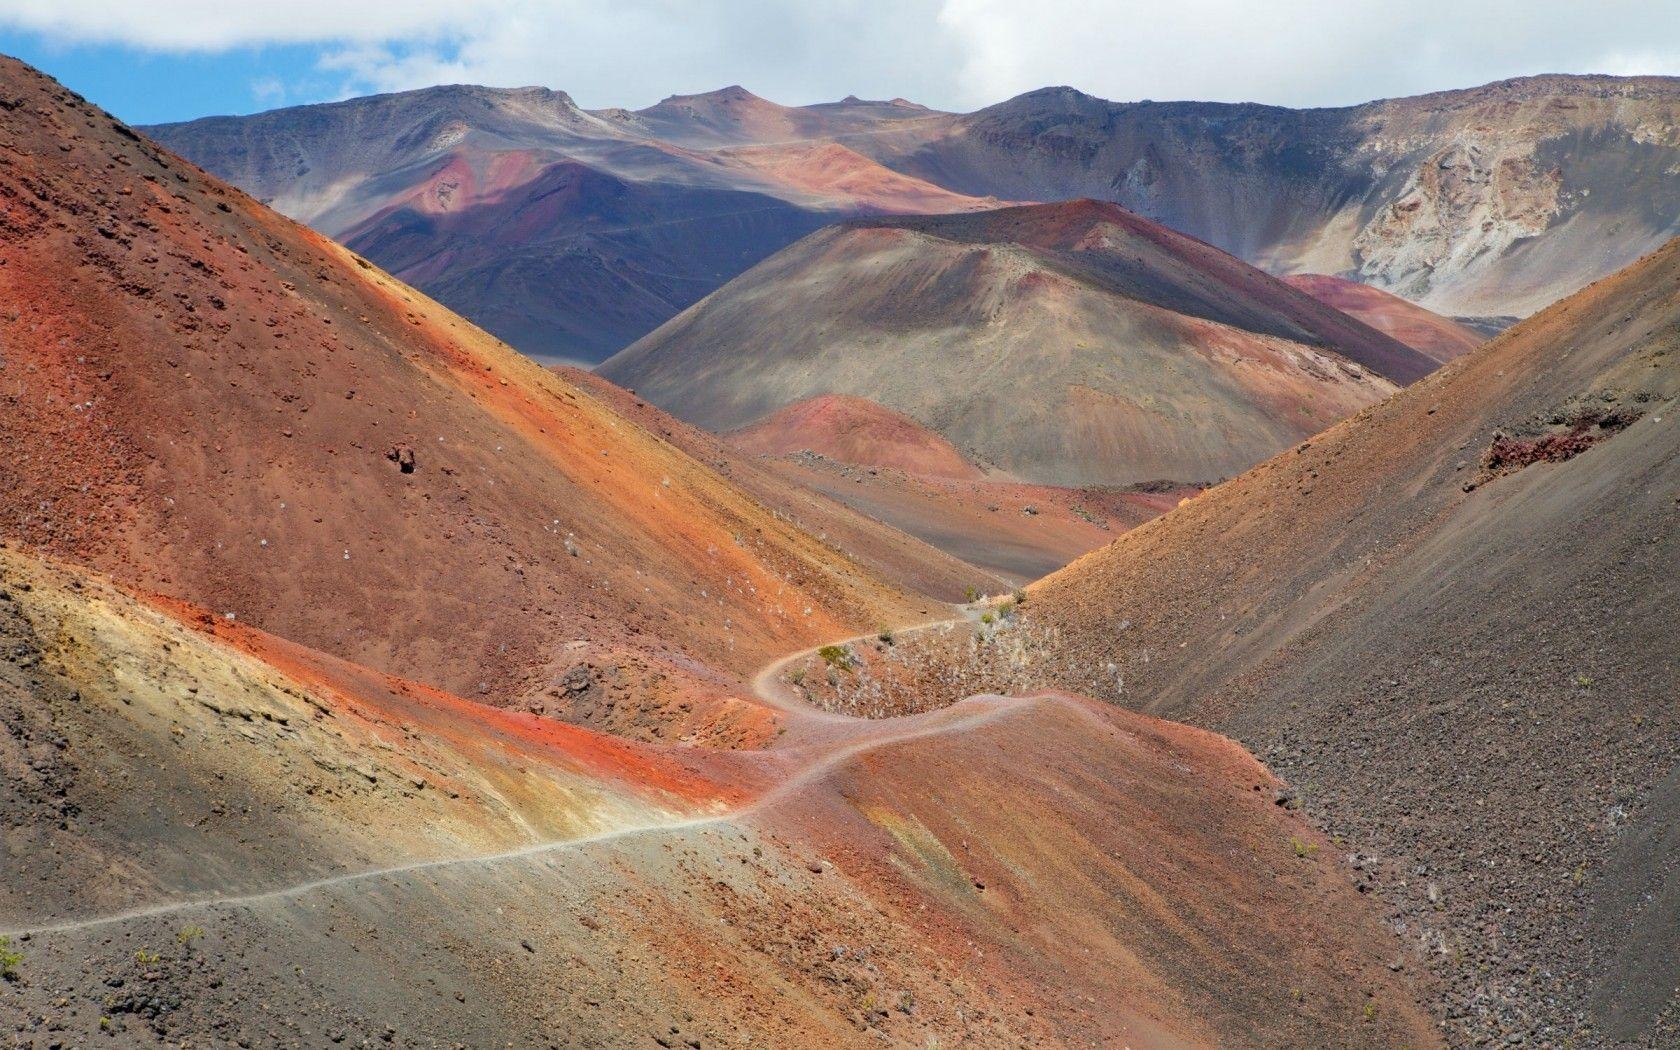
<point>953,53</point>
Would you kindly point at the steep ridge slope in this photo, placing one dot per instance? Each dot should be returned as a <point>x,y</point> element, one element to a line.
<point>565,232</point>
<point>1448,620</point>
<point>210,401</point>
<point>1493,200</point>
<point>1067,344</point>
<point>1441,338</point>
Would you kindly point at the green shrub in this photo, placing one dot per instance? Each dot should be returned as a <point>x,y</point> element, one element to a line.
<point>987,618</point>
<point>10,960</point>
<point>971,594</point>
<point>838,657</point>
<point>885,636</point>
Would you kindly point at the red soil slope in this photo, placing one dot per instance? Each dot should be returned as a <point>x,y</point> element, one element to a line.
<point>213,402</point>
<point>844,179</point>
<point>896,555</point>
<point>1423,330</point>
<point>854,430</point>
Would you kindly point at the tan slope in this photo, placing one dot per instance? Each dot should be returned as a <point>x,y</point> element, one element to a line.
<point>232,838</point>
<point>1441,338</point>
<point>1066,344</point>
<point>1449,619</point>
<point>207,400</point>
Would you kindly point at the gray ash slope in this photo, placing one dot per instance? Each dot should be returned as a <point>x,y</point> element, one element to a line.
<point>1449,621</point>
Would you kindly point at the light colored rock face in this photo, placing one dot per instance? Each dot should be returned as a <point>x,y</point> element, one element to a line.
<point>1465,206</point>
<point>1497,200</point>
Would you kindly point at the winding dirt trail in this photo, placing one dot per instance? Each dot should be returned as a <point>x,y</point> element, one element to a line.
<point>845,738</point>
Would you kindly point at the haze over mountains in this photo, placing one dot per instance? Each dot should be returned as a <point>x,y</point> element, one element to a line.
<point>1492,201</point>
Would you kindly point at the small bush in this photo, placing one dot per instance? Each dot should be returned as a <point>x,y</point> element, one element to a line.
<point>797,676</point>
<point>147,958</point>
<point>987,618</point>
<point>1006,610</point>
<point>10,960</point>
<point>885,636</point>
<point>971,594</point>
<point>838,657</point>
<point>188,934</point>
<point>1303,848</point>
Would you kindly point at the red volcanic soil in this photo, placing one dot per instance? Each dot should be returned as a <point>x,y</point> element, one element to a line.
<point>210,401</point>
<point>1423,330</point>
<point>842,178</point>
<point>1057,832</point>
<point>1013,531</point>
<point>1000,872</point>
<point>864,537</point>
<point>854,430</point>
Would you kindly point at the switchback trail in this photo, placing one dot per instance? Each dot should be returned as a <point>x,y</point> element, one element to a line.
<point>873,735</point>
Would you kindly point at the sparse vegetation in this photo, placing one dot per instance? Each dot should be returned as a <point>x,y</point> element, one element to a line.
<point>797,676</point>
<point>10,960</point>
<point>838,657</point>
<point>988,619</point>
<point>188,934</point>
<point>146,957</point>
<point>885,636</point>
<point>1303,849</point>
<point>971,594</point>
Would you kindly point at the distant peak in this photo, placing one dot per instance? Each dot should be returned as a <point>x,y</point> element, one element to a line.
<point>732,94</point>
<point>892,103</point>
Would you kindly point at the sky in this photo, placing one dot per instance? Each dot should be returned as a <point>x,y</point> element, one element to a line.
<point>179,59</point>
